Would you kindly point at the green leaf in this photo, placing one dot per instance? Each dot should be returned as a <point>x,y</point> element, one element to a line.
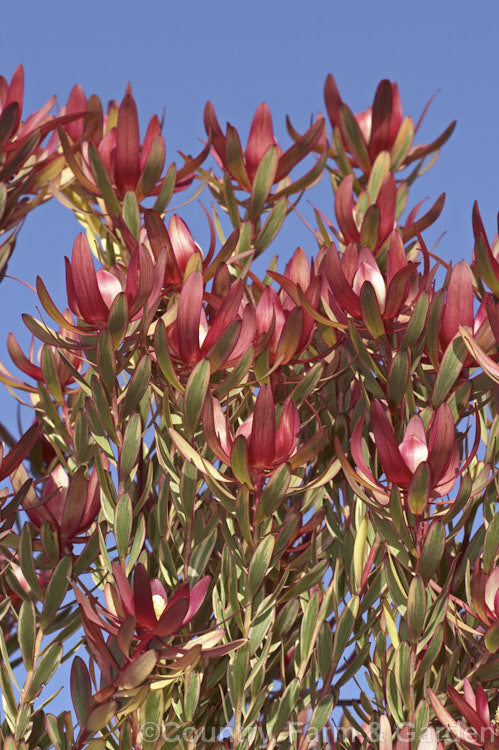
<point>201,555</point>
<point>81,689</point>
<point>132,442</point>
<point>137,544</point>
<point>272,225</point>
<point>239,460</point>
<point>322,714</point>
<point>240,664</point>
<point>101,404</point>
<point>236,377</point>
<point>195,393</point>
<point>433,325</point>
<point>262,184</point>
<point>449,370</point>
<point>46,667</point>
<point>379,170</point>
<point>9,703</point>
<point>353,138</point>
<point>418,493</point>
<point>403,672</point>
<point>370,228</point>
<point>117,320</point>
<point>491,544</point>
<point>324,649</point>
<point>399,375</point>
<point>26,634</point>
<point>191,695</point>
<point>492,637</point>
<point>287,704</point>
<point>243,513</point>
<point>274,492</point>
<point>85,558</point>
<point>106,360</point>
<point>416,324</point>
<point>102,180</point>
<point>50,374</point>
<point>259,564</point>
<point>360,551</point>
<point>402,143</point>
<point>131,213</point>
<point>163,357</point>
<point>123,524</point>
<point>307,581</point>
<point>223,346</point>
<point>416,607</point>
<point>27,563</point>
<point>344,628</point>
<point>151,714</point>
<point>100,716</point>
<point>56,591</point>
<point>166,191</point>
<point>308,625</point>
<point>137,671</point>
<point>433,549</point>
<point>307,384</point>
<point>136,387</point>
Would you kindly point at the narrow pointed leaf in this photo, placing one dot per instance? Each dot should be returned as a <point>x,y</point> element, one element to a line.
<point>262,183</point>
<point>26,634</point>
<point>259,564</point>
<point>194,396</point>
<point>56,590</point>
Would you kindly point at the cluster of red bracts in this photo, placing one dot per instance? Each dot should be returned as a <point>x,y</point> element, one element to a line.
<point>262,155</point>
<point>107,148</point>
<point>28,162</point>
<point>482,729</point>
<point>68,504</point>
<point>91,293</point>
<point>276,323</point>
<point>138,618</point>
<point>380,129</point>
<point>425,464</point>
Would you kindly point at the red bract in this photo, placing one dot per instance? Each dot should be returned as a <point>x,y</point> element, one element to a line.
<point>91,293</point>
<point>113,157</point>
<point>27,165</point>
<point>379,219</point>
<point>439,450</point>
<point>379,128</point>
<point>154,614</point>
<point>482,730</point>
<point>257,445</point>
<point>179,245</point>
<point>285,328</point>
<point>243,165</point>
<point>457,311</point>
<point>50,364</point>
<point>69,504</point>
<point>193,338</point>
<point>485,254</point>
<point>435,448</point>
<point>348,274</point>
<point>10,462</point>
<point>485,598</point>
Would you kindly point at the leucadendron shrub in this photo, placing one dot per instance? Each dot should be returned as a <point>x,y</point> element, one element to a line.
<point>250,512</point>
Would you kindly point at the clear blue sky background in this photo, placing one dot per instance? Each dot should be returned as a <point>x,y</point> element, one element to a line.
<point>177,55</point>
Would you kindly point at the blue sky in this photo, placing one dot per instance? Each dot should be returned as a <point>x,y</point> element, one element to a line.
<point>177,55</point>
